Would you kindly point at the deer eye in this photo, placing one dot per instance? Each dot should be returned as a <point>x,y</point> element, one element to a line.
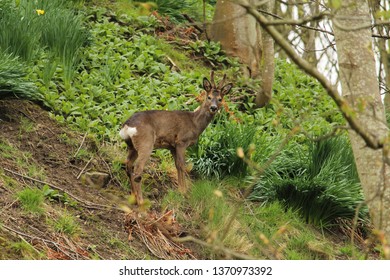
<point>209,97</point>
<point>220,99</point>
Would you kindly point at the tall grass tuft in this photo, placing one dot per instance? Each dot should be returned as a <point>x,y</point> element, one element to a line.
<point>66,224</point>
<point>64,35</point>
<point>211,211</point>
<point>28,27</point>
<point>31,200</point>
<point>320,182</point>
<point>216,156</point>
<point>19,34</point>
<point>12,79</point>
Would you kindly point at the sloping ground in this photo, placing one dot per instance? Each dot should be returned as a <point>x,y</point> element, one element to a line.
<point>78,220</point>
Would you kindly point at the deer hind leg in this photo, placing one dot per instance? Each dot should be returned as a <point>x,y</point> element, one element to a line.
<point>144,151</point>
<point>179,157</point>
<point>132,156</point>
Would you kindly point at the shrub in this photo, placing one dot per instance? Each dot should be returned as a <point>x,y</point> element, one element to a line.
<point>213,53</point>
<point>120,75</point>
<point>319,180</point>
<point>216,155</point>
<point>62,32</point>
<point>298,100</point>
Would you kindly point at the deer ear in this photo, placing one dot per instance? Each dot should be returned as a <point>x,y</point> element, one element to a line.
<point>226,89</point>
<point>206,84</point>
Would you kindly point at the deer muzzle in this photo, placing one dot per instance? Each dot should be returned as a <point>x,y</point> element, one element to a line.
<point>213,108</point>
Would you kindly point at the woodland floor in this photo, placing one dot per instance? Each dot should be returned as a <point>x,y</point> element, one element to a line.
<point>36,152</point>
<point>35,140</point>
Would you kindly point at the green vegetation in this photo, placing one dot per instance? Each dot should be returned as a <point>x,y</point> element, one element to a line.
<point>268,231</point>
<point>23,160</point>
<point>174,10</point>
<point>6,149</point>
<point>216,155</point>
<point>56,196</point>
<point>31,200</point>
<point>19,32</point>
<point>66,224</point>
<point>26,250</point>
<point>43,32</point>
<point>12,79</point>
<point>321,182</point>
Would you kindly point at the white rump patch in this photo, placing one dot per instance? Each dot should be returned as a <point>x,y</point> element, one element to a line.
<point>127,132</point>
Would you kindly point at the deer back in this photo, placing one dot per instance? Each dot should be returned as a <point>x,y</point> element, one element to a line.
<point>167,129</point>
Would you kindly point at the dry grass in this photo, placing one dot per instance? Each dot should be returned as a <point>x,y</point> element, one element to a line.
<point>157,233</point>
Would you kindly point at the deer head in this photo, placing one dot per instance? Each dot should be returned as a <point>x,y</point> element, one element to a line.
<point>215,94</point>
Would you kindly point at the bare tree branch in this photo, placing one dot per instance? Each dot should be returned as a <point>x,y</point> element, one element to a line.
<point>302,23</point>
<point>370,139</point>
<point>359,27</point>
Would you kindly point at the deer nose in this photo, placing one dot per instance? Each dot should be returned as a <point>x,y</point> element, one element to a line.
<point>213,108</point>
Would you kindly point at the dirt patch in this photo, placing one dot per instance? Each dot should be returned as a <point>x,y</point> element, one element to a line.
<point>37,152</point>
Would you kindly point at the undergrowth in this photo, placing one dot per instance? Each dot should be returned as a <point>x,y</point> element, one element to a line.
<point>31,200</point>
<point>267,231</point>
<point>13,82</point>
<point>43,32</point>
<point>320,182</point>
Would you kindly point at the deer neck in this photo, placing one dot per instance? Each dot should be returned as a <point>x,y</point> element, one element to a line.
<point>202,118</point>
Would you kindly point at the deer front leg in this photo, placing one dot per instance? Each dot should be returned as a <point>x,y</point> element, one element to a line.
<point>179,157</point>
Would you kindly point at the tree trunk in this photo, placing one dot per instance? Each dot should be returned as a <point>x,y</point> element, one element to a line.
<point>267,66</point>
<point>309,37</point>
<point>384,70</point>
<point>239,35</point>
<point>360,87</point>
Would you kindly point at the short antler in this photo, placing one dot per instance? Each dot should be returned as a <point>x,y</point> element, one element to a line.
<point>220,85</point>
<point>212,78</point>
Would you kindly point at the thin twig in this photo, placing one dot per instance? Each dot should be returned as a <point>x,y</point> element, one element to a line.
<point>216,247</point>
<point>82,142</point>
<point>336,129</point>
<point>112,177</point>
<point>19,234</point>
<point>174,66</point>
<point>193,23</point>
<point>85,166</point>
<point>36,250</point>
<point>260,170</point>
<point>86,204</point>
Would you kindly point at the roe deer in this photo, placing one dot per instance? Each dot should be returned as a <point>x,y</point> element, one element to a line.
<point>172,130</point>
